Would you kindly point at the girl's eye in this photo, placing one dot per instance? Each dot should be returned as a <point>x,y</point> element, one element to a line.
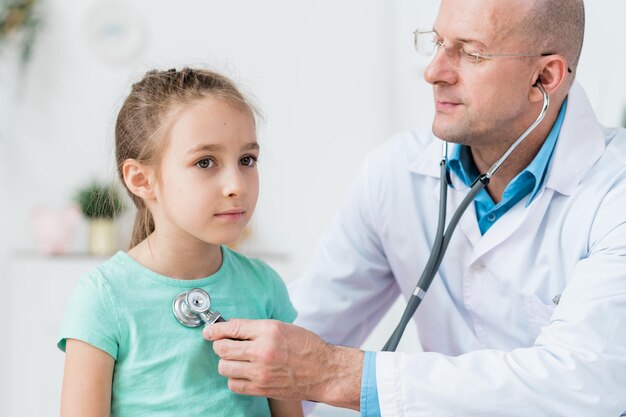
<point>205,163</point>
<point>248,161</point>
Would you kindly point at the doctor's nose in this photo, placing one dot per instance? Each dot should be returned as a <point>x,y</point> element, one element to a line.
<point>440,69</point>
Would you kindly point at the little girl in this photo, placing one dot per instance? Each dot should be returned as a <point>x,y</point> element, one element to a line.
<point>186,151</point>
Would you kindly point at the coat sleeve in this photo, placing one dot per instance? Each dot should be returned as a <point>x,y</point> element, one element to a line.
<point>349,285</point>
<point>576,367</point>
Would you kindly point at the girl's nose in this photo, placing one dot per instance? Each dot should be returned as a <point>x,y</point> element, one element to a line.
<point>234,184</point>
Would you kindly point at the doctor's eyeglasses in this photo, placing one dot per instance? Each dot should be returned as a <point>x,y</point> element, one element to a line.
<point>427,42</point>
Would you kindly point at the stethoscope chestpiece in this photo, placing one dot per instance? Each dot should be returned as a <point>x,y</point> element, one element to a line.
<point>193,308</point>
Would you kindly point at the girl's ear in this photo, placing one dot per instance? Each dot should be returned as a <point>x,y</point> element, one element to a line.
<point>139,179</point>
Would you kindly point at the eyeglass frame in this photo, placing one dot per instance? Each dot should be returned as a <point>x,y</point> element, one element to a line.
<point>477,55</point>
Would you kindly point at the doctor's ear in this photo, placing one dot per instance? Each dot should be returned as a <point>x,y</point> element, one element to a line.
<point>139,178</point>
<point>552,74</point>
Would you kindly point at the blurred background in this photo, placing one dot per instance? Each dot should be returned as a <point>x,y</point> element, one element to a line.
<point>334,79</point>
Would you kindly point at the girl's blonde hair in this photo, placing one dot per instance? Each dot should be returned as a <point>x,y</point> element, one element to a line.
<point>140,126</point>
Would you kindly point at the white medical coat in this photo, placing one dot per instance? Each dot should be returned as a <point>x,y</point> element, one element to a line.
<point>494,342</point>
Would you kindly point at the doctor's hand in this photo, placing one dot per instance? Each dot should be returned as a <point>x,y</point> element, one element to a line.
<point>278,360</point>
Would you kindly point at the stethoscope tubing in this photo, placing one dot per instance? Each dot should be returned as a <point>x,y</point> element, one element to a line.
<point>444,234</point>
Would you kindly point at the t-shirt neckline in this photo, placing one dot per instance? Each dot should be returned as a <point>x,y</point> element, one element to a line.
<point>128,262</point>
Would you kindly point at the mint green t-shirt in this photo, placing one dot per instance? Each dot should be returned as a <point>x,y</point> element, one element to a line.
<point>163,368</point>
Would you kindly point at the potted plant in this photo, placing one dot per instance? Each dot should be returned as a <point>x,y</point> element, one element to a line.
<point>100,204</point>
<point>19,22</point>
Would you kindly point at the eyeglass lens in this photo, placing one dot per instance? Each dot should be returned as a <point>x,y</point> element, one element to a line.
<point>425,43</point>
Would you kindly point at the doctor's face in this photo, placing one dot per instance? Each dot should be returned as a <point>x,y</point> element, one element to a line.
<point>208,182</point>
<point>480,102</point>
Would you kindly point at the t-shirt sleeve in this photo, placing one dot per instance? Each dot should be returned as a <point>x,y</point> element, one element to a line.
<point>283,309</point>
<point>90,316</point>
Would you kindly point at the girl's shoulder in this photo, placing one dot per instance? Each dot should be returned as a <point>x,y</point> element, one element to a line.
<point>114,271</point>
<point>257,267</point>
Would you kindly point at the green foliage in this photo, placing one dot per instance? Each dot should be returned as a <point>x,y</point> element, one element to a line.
<point>19,17</point>
<point>99,201</point>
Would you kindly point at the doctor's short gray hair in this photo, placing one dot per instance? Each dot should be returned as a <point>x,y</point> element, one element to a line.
<point>556,26</point>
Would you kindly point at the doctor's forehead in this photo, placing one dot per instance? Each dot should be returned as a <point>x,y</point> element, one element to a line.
<point>491,22</point>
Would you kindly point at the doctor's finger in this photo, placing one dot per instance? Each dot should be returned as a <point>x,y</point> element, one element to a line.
<point>245,387</point>
<point>240,329</point>
<point>241,350</point>
<point>251,379</point>
<point>237,369</point>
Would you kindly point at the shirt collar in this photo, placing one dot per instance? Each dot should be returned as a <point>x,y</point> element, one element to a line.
<point>579,147</point>
<point>539,166</point>
<point>462,164</point>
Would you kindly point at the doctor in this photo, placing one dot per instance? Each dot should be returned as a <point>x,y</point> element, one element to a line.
<point>527,315</point>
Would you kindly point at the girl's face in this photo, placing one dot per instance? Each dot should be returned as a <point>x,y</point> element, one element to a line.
<point>208,182</point>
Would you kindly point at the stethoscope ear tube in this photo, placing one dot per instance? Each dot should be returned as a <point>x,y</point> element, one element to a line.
<point>436,256</point>
<point>443,238</point>
<point>418,294</point>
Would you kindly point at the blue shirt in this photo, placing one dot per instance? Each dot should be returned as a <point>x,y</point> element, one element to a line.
<point>529,181</point>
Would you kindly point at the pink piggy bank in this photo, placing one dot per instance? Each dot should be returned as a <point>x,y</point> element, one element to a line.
<point>55,228</point>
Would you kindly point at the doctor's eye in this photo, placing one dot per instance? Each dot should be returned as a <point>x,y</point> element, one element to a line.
<point>470,55</point>
<point>205,163</point>
<point>248,161</point>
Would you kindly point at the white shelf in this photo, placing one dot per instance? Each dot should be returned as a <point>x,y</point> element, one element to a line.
<point>37,290</point>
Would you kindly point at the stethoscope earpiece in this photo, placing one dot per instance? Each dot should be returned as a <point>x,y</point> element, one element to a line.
<point>193,308</point>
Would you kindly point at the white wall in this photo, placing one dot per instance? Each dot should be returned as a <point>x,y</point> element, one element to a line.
<point>334,79</point>
<point>318,69</point>
<point>322,72</point>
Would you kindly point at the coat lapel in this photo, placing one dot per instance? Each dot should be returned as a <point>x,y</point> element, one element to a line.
<point>580,145</point>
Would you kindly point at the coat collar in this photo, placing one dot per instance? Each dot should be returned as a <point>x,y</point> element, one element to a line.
<point>580,144</point>
<point>426,162</point>
<point>579,147</point>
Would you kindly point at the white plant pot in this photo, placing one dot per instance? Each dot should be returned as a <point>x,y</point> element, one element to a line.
<point>102,237</point>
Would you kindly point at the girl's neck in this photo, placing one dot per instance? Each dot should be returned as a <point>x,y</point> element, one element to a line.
<point>180,260</point>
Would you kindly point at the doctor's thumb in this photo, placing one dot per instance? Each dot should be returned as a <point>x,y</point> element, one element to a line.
<point>236,329</point>
<point>207,332</point>
<point>216,331</point>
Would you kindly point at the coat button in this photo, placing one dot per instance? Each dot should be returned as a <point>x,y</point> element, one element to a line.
<point>478,266</point>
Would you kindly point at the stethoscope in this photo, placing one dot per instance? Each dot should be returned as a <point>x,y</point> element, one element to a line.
<point>443,237</point>
<point>193,308</point>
